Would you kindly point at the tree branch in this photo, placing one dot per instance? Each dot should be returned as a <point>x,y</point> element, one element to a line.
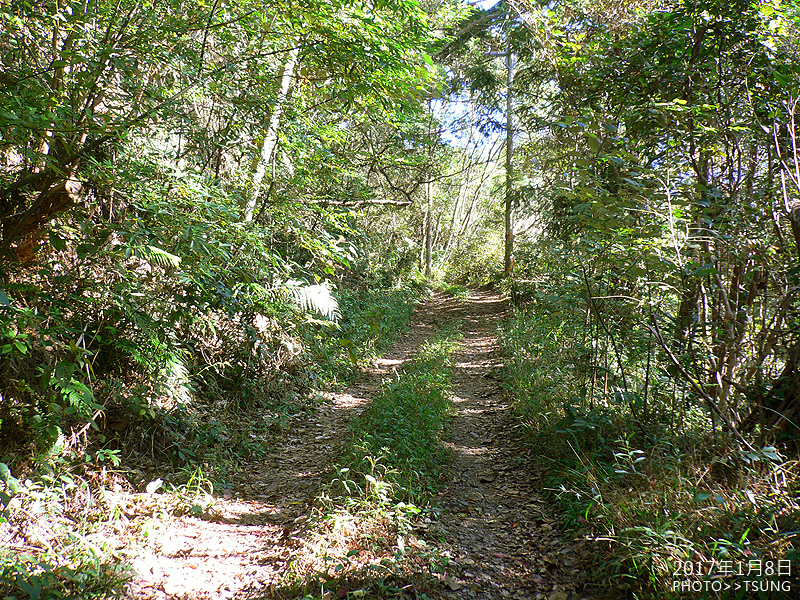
<point>656,332</point>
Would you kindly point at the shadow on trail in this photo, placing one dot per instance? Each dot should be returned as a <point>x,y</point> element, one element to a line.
<point>245,539</point>
<point>343,532</point>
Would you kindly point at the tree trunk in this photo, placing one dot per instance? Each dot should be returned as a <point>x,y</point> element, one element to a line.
<point>508,260</point>
<point>428,219</point>
<point>790,169</point>
<point>264,159</point>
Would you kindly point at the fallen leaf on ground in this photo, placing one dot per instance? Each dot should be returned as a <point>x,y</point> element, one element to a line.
<point>488,478</point>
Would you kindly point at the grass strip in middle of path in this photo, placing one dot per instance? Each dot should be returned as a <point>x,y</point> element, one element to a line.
<point>364,541</point>
<point>396,450</point>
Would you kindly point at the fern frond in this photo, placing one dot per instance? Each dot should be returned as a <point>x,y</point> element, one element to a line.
<point>317,298</point>
<point>161,257</point>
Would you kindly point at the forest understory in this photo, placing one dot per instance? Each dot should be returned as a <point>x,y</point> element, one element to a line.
<point>488,532</point>
<point>275,532</point>
<point>328,513</point>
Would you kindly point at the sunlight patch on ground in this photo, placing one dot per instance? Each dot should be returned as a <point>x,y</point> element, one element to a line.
<point>302,474</point>
<point>479,345</point>
<point>388,362</point>
<point>343,400</point>
<point>470,450</point>
<point>480,364</point>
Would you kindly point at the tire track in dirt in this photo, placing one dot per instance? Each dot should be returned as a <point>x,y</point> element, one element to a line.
<point>501,538</point>
<point>253,531</point>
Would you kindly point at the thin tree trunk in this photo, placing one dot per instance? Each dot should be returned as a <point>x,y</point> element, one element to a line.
<point>509,241</point>
<point>790,169</point>
<point>263,161</point>
<point>466,167</point>
<point>422,242</point>
<point>428,219</point>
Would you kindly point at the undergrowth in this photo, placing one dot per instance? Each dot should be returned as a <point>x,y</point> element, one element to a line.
<point>364,541</point>
<point>53,546</point>
<point>372,318</point>
<point>675,510</point>
<point>396,440</point>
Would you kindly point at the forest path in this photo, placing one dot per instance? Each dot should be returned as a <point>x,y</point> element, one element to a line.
<point>493,524</point>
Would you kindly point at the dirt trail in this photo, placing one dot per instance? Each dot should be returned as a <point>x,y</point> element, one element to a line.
<point>493,524</point>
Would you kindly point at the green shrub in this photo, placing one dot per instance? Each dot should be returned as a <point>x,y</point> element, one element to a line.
<point>67,561</point>
<point>656,486</point>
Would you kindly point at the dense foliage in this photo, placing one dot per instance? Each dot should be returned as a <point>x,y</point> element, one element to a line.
<point>173,179</point>
<point>181,258</point>
<point>655,346</point>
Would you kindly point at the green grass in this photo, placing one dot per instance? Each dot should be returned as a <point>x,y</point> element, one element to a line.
<point>396,440</point>
<point>458,291</point>
<point>58,504</point>
<point>372,319</point>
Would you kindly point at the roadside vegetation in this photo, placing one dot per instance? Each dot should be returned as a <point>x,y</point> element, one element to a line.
<point>638,465</point>
<point>183,264</point>
<point>653,351</point>
<point>58,504</point>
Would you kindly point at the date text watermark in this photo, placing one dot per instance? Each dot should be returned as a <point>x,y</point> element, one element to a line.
<point>754,575</point>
